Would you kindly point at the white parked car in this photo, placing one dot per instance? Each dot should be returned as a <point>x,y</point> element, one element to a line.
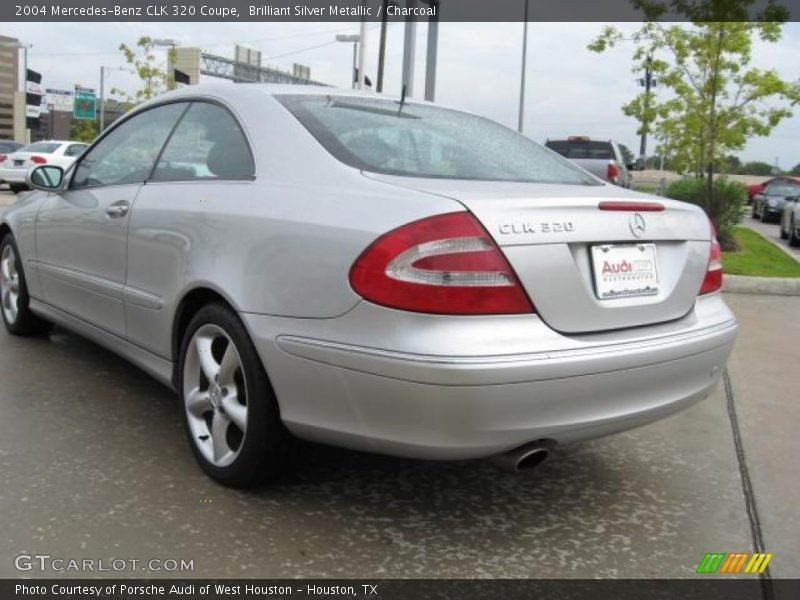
<point>14,166</point>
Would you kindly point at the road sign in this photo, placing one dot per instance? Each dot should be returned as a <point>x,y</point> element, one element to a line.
<point>85,104</point>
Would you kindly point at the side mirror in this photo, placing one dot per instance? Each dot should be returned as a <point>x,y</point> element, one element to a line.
<point>45,177</point>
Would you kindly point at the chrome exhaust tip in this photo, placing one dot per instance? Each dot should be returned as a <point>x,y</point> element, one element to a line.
<point>524,458</point>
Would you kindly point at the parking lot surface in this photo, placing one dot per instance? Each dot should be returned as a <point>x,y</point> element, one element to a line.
<point>94,464</point>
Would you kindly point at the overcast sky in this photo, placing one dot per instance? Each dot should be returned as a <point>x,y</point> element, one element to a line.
<point>570,90</point>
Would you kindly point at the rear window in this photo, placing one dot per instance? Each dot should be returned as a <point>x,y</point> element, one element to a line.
<point>41,148</point>
<point>8,147</point>
<point>582,149</point>
<point>416,140</point>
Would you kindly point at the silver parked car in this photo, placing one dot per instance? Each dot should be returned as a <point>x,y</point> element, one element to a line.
<point>790,220</point>
<point>388,276</point>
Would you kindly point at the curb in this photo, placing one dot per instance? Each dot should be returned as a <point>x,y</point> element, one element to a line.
<point>770,286</point>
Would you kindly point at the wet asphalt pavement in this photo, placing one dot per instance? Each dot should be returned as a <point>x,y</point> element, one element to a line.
<point>94,464</point>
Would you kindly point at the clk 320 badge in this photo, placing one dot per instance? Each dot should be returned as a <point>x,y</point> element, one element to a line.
<point>542,227</point>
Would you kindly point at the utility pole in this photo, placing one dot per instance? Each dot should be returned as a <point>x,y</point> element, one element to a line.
<point>103,94</point>
<point>102,99</point>
<point>382,46</point>
<point>409,50</point>
<point>648,82</point>
<point>524,68</point>
<point>433,51</point>
<point>355,39</point>
<point>362,61</point>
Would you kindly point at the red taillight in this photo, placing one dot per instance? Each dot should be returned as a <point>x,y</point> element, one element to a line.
<point>39,160</point>
<point>612,172</point>
<point>3,158</point>
<point>445,264</point>
<point>713,280</point>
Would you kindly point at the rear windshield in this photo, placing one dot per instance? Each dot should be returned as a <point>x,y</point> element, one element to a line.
<point>582,149</point>
<point>9,146</point>
<point>41,148</point>
<point>417,140</point>
<point>783,188</point>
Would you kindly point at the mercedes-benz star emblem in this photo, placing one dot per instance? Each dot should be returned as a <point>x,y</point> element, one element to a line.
<point>637,224</point>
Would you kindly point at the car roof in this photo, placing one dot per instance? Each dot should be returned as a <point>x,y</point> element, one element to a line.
<point>230,91</point>
<point>55,142</point>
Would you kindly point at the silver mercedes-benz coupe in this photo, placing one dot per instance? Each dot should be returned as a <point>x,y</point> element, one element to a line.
<point>368,272</point>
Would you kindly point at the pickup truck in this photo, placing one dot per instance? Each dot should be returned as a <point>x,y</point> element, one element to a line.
<point>603,159</point>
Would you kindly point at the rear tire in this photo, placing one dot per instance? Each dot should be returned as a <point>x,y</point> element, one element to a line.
<point>231,414</point>
<point>754,214</point>
<point>784,233</point>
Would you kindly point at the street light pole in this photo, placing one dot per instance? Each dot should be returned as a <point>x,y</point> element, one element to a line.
<point>355,39</point>
<point>524,68</point>
<point>103,93</point>
<point>648,84</point>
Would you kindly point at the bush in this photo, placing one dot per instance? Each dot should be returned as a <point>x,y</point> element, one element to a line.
<point>725,208</point>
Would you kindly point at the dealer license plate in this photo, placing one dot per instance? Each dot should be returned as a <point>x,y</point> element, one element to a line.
<point>625,270</point>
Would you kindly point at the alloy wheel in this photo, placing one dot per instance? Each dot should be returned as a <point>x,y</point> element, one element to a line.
<point>9,284</point>
<point>215,395</point>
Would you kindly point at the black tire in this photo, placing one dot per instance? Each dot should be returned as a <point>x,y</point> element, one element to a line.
<point>16,188</point>
<point>25,322</point>
<point>754,214</point>
<point>764,215</point>
<point>267,450</point>
<point>784,233</point>
<point>794,239</point>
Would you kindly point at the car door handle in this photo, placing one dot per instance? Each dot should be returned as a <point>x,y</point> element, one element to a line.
<point>118,209</point>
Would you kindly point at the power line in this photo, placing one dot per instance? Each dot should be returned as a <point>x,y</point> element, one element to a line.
<point>298,51</point>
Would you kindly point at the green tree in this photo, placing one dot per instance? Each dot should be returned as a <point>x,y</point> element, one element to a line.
<point>715,101</point>
<point>142,59</point>
<point>795,170</point>
<point>730,164</point>
<point>756,167</point>
<point>83,130</point>
<point>627,155</point>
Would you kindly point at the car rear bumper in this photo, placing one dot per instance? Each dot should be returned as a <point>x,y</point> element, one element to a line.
<point>13,175</point>
<point>473,401</point>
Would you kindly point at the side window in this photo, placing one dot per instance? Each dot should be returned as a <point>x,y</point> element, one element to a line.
<point>127,154</point>
<point>74,149</point>
<point>206,144</point>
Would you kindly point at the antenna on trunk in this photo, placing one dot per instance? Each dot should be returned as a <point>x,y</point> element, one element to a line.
<point>402,100</point>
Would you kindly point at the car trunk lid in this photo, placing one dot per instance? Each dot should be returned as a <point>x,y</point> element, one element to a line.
<point>578,262</point>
